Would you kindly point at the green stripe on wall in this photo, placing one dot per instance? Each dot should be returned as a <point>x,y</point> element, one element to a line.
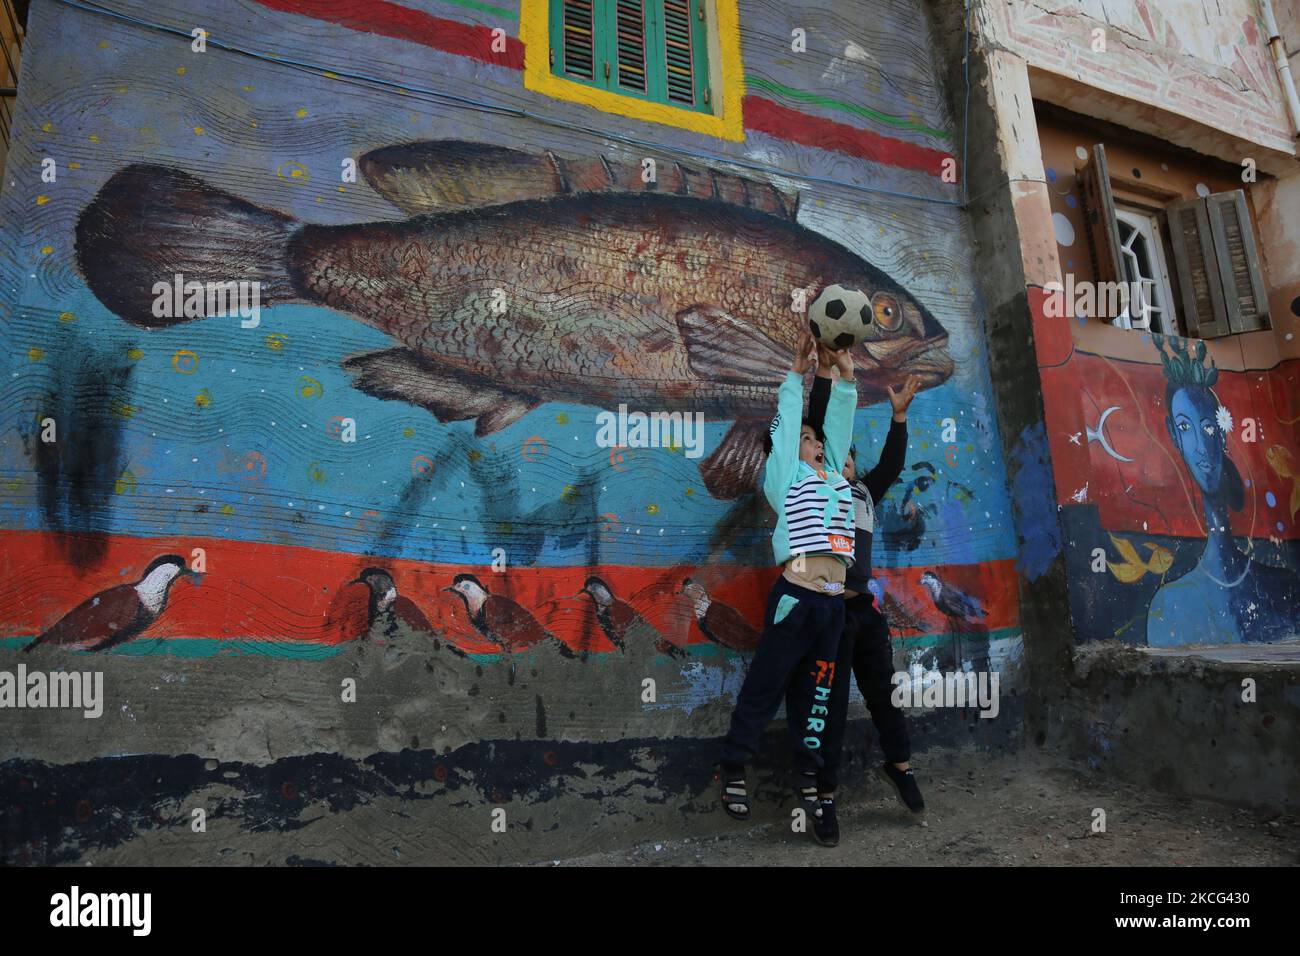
<point>816,99</point>
<point>483,8</point>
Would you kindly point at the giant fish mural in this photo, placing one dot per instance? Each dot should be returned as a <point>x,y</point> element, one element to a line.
<point>673,295</point>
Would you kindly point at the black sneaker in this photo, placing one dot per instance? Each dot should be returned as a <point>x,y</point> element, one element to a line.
<point>826,829</point>
<point>904,781</point>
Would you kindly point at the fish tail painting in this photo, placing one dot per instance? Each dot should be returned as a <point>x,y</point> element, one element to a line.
<point>523,278</point>
<point>150,224</point>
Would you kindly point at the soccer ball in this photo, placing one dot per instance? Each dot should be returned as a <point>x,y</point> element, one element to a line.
<point>840,318</point>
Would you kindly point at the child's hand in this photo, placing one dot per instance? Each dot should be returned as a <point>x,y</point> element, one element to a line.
<point>900,400</point>
<point>844,362</point>
<point>804,353</point>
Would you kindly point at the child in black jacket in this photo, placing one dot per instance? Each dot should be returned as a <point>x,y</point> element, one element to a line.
<point>865,645</point>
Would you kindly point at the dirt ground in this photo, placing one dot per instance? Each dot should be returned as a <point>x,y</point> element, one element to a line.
<point>1022,810</point>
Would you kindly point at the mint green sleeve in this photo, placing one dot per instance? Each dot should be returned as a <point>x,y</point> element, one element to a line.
<point>783,463</point>
<point>838,426</point>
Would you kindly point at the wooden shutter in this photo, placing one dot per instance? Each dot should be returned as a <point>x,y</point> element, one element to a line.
<point>1197,266</point>
<point>679,52</point>
<point>578,42</point>
<point>1218,265</point>
<point>630,46</point>
<point>1234,245</point>
<point>1099,218</point>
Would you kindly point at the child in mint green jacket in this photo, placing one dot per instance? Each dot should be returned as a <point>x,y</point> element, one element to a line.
<point>814,541</point>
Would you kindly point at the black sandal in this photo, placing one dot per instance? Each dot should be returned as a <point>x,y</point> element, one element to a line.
<point>735,799</point>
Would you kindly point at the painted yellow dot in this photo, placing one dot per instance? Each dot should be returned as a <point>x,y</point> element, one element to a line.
<point>227,509</point>
<point>331,74</point>
<point>46,127</point>
<point>203,399</point>
<point>318,199</point>
<point>408,432</point>
<point>247,88</point>
<point>562,418</point>
<point>180,71</point>
<point>94,137</point>
<point>293,172</point>
<point>103,44</point>
<point>74,165</point>
<point>652,509</point>
<point>135,354</point>
<point>198,131</point>
<point>567,492</point>
<point>42,200</point>
<point>689,492</point>
<point>35,354</point>
<point>46,250</point>
<point>67,317</point>
<point>253,124</point>
<point>342,190</point>
<point>121,89</point>
<point>475,454</point>
<point>925,444</point>
<point>301,113</point>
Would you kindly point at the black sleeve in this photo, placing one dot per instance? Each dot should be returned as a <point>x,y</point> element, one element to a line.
<point>891,462</point>
<point>817,399</point>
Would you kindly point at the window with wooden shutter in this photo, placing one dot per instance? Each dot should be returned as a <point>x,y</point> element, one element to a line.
<point>649,49</point>
<point>1099,218</point>
<point>1218,265</point>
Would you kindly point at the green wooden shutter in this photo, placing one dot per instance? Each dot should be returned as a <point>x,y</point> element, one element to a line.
<point>1218,265</point>
<point>576,39</point>
<point>651,49</point>
<point>1234,242</point>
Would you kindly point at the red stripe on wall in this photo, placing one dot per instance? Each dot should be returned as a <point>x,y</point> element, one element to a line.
<point>404,23</point>
<point>764,116</point>
<point>761,115</point>
<point>295,594</point>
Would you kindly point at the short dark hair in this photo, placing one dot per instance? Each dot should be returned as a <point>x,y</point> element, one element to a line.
<point>767,435</point>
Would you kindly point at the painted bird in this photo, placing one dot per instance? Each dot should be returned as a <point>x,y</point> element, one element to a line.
<point>952,602</point>
<point>969,637</point>
<point>687,279</point>
<point>500,619</point>
<point>387,607</point>
<point>120,613</point>
<point>618,618</point>
<point>720,623</point>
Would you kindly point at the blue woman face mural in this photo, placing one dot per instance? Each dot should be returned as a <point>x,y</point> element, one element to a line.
<point>1228,596</point>
<point>1195,430</point>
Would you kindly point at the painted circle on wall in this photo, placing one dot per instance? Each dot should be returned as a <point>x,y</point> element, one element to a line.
<point>1202,190</point>
<point>1271,499</point>
<point>1063,229</point>
<point>1081,153</point>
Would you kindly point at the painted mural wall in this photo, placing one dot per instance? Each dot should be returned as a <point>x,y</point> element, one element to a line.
<point>405,444</point>
<point>1176,459</point>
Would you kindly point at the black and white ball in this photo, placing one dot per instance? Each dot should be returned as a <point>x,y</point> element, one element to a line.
<point>840,317</point>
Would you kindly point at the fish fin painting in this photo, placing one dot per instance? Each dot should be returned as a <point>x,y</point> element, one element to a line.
<point>1229,596</point>
<point>523,278</point>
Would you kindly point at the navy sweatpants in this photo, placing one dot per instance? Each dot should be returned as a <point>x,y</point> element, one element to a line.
<point>795,659</point>
<point>865,649</point>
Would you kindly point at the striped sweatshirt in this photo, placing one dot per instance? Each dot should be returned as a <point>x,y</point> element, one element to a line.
<point>814,509</point>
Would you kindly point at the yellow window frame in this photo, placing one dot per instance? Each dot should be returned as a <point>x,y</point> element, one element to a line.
<point>725,122</point>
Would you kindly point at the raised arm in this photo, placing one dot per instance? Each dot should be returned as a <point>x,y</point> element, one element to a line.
<point>894,454</point>
<point>783,461</point>
<point>840,408</point>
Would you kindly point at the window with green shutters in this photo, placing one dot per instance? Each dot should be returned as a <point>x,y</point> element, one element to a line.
<point>655,50</point>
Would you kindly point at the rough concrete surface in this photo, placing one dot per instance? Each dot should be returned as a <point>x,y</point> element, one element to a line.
<point>1024,809</point>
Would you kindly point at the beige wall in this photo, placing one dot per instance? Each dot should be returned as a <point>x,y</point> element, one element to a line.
<point>1205,60</point>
